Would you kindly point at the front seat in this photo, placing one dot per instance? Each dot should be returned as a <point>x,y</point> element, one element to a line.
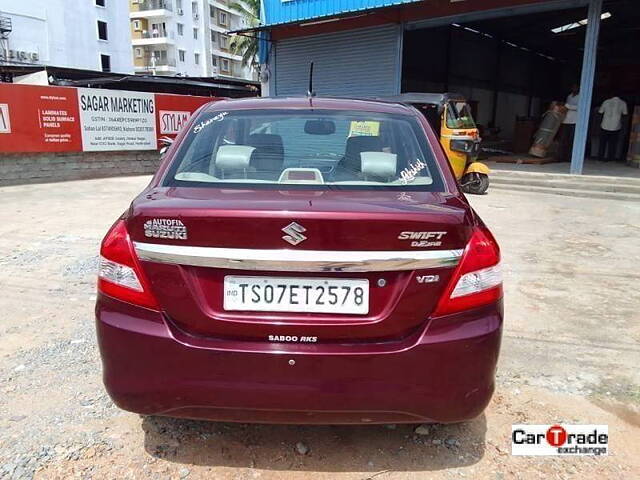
<point>268,156</point>
<point>351,163</point>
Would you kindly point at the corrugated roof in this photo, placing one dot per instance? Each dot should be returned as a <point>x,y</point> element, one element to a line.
<point>286,11</point>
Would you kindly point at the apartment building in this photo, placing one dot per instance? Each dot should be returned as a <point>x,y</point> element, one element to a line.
<point>185,37</point>
<point>83,34</point>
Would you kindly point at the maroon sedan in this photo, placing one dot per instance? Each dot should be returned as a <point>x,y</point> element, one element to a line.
<point>301,260</point>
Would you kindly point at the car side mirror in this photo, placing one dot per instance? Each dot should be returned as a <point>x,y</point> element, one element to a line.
<point>166,143</point>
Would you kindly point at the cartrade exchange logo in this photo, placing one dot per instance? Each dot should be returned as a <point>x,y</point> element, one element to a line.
<point>559,440</point>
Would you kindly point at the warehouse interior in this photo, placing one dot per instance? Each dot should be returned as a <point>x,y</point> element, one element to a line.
<point>511,68</point>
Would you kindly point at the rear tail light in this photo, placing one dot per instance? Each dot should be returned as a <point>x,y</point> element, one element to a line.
<point>120,275</point>
<point>477,280</point>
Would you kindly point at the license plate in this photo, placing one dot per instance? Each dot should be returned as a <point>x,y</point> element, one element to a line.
<point>288,294</point>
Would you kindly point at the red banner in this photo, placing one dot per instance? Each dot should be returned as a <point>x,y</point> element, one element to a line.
<point>69,119</point>
<point>39,119</point>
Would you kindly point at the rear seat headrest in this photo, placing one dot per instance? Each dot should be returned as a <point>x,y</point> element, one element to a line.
<point>233,157</point>
<point>269,142</point>
<point>357,144</point>
<point>379,164</point>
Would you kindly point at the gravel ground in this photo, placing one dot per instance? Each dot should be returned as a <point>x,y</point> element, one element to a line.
<point>570,354</point>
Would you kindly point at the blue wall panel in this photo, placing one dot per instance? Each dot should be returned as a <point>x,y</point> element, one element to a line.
<point>285,11</point>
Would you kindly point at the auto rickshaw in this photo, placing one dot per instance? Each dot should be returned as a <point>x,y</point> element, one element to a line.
<point>450,116</point>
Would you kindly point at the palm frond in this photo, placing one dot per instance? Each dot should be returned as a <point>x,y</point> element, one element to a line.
<point>245,45</point>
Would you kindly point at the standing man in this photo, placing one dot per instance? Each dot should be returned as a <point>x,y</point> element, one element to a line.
<point>612,110</point>
<point>568,128</point>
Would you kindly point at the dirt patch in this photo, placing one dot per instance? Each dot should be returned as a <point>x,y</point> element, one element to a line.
<point>164,448</point>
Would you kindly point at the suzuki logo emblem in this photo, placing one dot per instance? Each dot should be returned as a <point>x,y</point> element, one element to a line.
<point>294,233</point>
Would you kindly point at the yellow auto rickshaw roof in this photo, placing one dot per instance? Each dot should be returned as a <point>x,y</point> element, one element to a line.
<point>423,97</point>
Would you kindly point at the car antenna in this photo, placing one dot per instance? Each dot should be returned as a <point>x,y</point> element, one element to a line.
<point>310,92</point>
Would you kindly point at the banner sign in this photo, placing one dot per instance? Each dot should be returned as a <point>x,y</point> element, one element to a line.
<point>38,119</point>
<point>171,121</point>
<point>5,124</point>
<point>116,120</point>
<point>174,111</point>
<point>69,119</point>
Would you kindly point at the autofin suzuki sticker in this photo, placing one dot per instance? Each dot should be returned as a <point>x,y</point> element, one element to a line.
<point>170,228</point>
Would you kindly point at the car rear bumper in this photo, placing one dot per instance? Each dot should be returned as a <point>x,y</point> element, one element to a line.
<point>442,374</point>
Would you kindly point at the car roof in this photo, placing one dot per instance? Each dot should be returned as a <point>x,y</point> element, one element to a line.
<point>304,102</point>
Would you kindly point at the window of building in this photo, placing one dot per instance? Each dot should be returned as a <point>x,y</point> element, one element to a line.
<point>179,4</point>
<point>100,3</point>
<point>181,55</point>
<point>105,63</point>
<point>196,58</point>
<point>158,30</point>
<point>213,36</point>
<point>102,30</point>
<point>212,11</point>
<point>137,26</point>
<point>195,33</point>
<point>225,65</point>
<point>224,41</point>
<point>214,60</point>
<point>194,8</point>
<point>222,18</point>
<point>180,29</point>
<point>138,52</point>
<point>160,56</point>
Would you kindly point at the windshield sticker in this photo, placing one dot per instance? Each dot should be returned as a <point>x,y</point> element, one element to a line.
<point>219,117</point>
<point>364,128</point>
<point>409,174</point>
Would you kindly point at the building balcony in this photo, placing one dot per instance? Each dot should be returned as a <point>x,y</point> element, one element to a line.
<point>217,28</point>
<point>160,13</point>
<point>151,8</point>
<point>222,5</point>
<point>226,54</point>
<point>156,37</point>
<point>157,65</point>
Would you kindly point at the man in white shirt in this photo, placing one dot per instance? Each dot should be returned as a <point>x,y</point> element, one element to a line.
<point>568,129</point>
<point>612,110</point>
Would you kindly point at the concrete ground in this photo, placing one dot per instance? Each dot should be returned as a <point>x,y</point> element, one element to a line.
<point>591,167</point>
<point>570,354</point>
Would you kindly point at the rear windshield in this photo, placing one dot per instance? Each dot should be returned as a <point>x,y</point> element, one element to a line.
<point>305,149</point>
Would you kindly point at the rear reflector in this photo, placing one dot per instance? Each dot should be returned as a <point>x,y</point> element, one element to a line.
<point>120,275</point>
<point>477,280</point>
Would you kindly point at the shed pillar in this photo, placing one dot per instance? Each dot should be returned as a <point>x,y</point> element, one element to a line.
<point>586,86</point>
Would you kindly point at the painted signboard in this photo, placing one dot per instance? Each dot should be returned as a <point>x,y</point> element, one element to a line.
<point>117,120</point>
<point>69,119</point>
<point>171,121</point>
<point>39,119</point>
<point>5,121</point>
<point>174,111</point>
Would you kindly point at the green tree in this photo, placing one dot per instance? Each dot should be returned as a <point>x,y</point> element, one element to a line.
<point>247,44</point>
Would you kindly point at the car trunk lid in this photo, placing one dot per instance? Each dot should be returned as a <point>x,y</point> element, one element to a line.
<point>403,244</point>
